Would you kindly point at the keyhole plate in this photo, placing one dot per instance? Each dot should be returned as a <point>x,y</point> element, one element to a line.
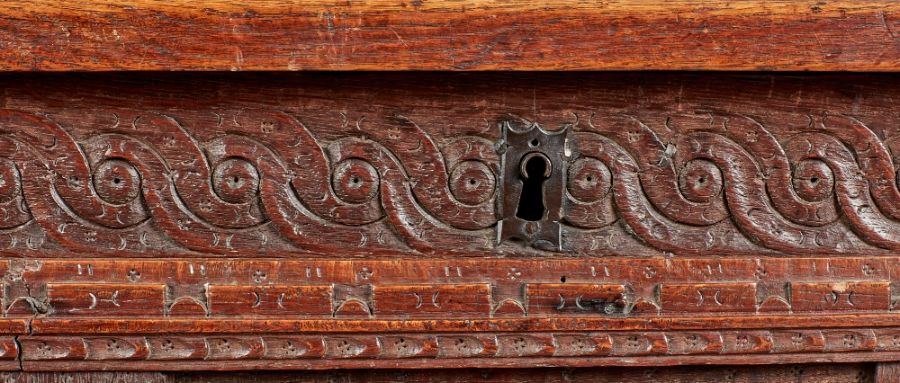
<point>531,206</point>
<point>534,169</point>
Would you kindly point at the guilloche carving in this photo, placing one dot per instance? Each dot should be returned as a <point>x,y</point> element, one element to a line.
<point>723,184</point>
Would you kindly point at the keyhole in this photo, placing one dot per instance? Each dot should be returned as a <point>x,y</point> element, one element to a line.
<point>535,169</point>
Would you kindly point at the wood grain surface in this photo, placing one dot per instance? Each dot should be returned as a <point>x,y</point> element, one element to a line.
<point>102,35</point>
<point>887,373</point>
<point>381,166</point>
<point>842,373</point>
<point>317,221</point>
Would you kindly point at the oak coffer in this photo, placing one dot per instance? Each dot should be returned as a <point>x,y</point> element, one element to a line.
<point>449,191</point>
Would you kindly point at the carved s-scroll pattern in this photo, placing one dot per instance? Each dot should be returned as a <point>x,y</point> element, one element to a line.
<point>727,179</point>
<point>722,184</point>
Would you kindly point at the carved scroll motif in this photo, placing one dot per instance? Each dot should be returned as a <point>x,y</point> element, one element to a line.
<point>726,186</point>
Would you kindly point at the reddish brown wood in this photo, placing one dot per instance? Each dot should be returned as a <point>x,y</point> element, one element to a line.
<point>851,296</point>
<point>176,222</point>
<point>432,300</point>
<point>370,222</point>
<point>775,374</point>
<point>52,35</point>
<point>256,300</point>
<point>763,129</point>
<point>887,373</point>
<point>714,297</point>
<point>98,298</point>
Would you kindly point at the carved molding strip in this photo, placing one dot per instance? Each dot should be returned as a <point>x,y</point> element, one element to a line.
<point>451,288</point>
<point>723,184</point>
<point>565,348</point>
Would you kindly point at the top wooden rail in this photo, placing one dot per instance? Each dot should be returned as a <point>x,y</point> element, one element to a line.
<point>277,35</point>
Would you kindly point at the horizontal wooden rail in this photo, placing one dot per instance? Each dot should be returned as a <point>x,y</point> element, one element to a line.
<point>103,35</point>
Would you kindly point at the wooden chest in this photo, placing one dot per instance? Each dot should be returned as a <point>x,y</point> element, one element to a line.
<point>624,191</point>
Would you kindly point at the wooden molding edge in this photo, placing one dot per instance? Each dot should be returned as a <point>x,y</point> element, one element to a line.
<point>218,35</point>
<point>415,351</point>
<point>772,374</point>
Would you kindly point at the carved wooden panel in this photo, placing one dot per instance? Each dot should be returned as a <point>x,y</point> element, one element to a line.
<point>839,373</point>
<point>319,221</point>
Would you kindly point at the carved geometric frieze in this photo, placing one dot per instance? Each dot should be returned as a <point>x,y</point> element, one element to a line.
<point>470,288</point>
<point>339,222</point>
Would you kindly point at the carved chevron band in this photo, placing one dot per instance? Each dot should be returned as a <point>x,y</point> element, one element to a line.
<point>723,184</point>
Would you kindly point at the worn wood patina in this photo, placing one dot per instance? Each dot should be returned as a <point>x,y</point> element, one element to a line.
<point>407,226</point>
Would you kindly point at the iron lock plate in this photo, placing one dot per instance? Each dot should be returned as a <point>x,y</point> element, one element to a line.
<point>534,176</point>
